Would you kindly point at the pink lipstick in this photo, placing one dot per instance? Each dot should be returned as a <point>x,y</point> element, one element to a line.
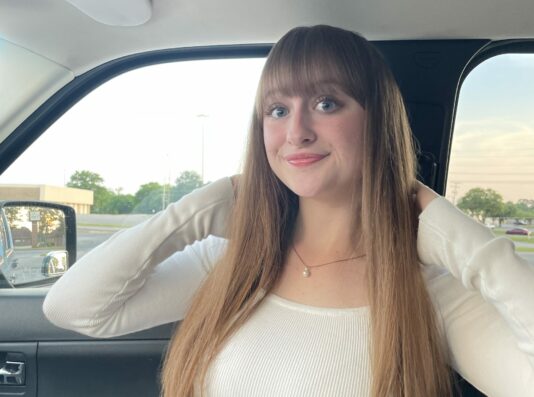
<point>304,159</point>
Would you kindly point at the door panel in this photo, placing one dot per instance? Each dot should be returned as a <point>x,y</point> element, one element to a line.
<point>70,364</point>
<point>100,368</point>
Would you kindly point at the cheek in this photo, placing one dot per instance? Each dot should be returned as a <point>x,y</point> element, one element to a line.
<point>343,133</point>
<point>272,140</point>
<point>349,142</point>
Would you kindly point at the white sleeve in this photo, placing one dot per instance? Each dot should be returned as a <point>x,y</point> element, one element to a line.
<point>484,294</point>
<point>148,298</point>
<point>91,296</point>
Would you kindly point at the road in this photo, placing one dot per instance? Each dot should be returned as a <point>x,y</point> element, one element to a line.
<point>28,266</point>
<point>90,236</point>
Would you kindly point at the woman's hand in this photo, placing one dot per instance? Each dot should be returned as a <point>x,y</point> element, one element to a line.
<point>235,182</point>
<point>423,196</point>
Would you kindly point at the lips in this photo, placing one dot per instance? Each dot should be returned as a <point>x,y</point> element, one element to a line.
<point>302,159</point>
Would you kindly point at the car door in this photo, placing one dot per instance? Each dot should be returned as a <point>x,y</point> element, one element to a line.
<point>124,152</point>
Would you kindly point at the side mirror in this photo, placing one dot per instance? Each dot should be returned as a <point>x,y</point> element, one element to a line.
<point>37,242</point>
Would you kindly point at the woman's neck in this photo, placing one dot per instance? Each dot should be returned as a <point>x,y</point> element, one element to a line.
<point>323,230</point>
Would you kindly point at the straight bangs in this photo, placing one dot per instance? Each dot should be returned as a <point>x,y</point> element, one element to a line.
<point>307,61</point>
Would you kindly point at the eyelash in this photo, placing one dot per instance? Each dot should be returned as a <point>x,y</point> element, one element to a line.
<point>327,99</point>
<point>270,109</point>
<point>324,98</point>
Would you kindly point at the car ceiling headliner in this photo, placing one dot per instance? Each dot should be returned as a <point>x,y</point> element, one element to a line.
<point>62,33</point>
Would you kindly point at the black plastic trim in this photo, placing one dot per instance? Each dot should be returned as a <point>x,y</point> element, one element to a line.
<point>495,48</point>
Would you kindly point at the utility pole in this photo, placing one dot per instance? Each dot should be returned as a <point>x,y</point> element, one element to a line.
<point>454,189</point>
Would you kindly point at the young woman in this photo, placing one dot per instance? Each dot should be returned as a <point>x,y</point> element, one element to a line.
<point>325,269</point>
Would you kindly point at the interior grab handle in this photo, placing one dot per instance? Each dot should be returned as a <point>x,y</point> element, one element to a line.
<point>12,373</point>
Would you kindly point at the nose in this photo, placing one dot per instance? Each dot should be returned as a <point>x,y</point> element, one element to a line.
<point>300,130</point>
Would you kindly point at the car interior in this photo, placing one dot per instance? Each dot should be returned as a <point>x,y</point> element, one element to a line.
<point>53,53</point>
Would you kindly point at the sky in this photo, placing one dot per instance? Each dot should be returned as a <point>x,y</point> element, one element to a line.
<point>493,141</point>
<point>151,124</point>
<point>146,126</point>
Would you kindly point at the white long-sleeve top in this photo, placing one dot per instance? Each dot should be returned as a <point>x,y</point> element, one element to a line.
<point>482,290</point>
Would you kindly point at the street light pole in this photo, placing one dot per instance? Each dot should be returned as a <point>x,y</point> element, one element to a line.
<point>165,195</point>
<point>202,117</point>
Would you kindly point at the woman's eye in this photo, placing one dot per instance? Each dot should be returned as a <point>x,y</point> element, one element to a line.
<point>327,105</point>
<point>277,112</point>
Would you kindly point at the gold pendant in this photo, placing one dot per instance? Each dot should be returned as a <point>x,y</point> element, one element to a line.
<point>306,272</point>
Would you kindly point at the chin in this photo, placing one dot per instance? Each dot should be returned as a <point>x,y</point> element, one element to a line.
<point>309,186</point>
<point>305,190</point>
<point>320,191</point>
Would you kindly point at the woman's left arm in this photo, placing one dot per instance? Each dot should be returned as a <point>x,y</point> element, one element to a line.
<point>484,292</point>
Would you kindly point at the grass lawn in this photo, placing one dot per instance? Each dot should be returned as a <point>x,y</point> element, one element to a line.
<point>522,239</point>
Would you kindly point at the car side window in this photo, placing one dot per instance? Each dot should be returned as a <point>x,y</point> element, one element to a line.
<point>138,142</point>
<point>491,172</point>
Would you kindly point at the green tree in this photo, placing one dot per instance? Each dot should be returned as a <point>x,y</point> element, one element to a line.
<point>121,204</point>
<point>525,210</point>
<point>185,183</point>
<point>146,190</point>
<point>526,204</point>
<point>92,181</point>
<point>13,215</point>
<point>85,180</point>
<point>509,210</point>
<point>482,203</point>
<point>50,226</point>
<point>149,198</point>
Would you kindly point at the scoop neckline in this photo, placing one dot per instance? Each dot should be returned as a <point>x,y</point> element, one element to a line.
<point>316,309</point>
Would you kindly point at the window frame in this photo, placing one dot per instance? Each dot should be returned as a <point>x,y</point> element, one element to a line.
<point>491,50</point>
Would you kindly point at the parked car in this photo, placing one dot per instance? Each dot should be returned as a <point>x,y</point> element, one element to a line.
<point>519,231</point>
<point>56,54</point>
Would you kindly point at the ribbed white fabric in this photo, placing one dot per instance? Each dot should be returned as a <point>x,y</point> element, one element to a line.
<point>291,349</point>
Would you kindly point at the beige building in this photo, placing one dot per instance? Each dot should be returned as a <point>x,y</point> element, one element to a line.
<point>79,199</point>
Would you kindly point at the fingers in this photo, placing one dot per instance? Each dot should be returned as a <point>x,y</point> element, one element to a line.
<point>235,183</point>
<point>424,195</point>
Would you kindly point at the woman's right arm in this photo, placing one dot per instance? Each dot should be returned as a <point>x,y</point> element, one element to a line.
<point>133,281</point>
<point>483,291</point>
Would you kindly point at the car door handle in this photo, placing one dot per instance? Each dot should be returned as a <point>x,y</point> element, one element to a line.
<point>12,373</point>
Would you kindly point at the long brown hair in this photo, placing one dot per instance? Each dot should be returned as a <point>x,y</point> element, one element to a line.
<point>408,357</point>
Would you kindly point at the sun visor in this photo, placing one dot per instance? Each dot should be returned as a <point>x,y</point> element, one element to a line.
<point>115,12</point>
<point>28,80</point>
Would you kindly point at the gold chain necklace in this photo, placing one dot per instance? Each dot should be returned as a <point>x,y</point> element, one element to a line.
<point>306,272</point>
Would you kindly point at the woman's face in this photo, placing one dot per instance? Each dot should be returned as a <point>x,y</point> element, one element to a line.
<point>314,143</point>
